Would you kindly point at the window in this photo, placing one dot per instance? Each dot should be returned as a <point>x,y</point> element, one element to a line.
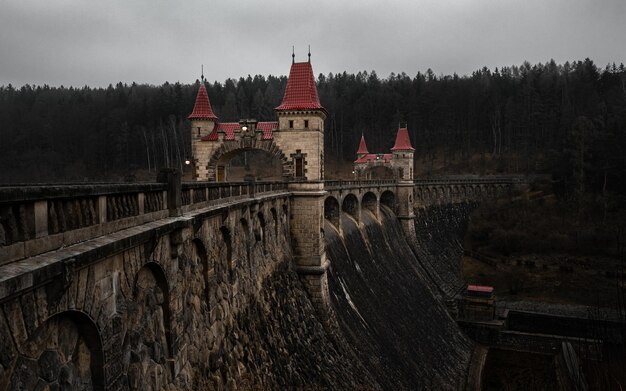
<point>290,124</point>
<point>306,124</point>
<point>198,131</point>
<point>299,167</point>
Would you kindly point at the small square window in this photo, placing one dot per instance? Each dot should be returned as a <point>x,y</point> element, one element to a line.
<point>290,124</point>
<point>306,124</point>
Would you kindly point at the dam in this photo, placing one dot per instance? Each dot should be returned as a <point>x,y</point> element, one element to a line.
<point>302,283</point>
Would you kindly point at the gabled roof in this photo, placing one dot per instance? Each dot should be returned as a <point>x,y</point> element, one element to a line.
<point>202,109</point>
<point>370,157</point>
<point>229,128</point>
<point>403,142</point>
<point>301,92</point>
<point>362,147</point>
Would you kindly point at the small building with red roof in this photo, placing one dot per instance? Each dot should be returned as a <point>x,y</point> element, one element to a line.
<point>398,163</point>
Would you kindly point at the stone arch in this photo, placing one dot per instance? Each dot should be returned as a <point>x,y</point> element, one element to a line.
<point>228,242</point>
<point>275,220</point>
<point>260,236</point>
<point>284,218</point>
<point>232,148</point>
<point>370,202</point>
<point>200,257</point>
<point>388,198</point>
<point>245,227</point>
<point>350,205</point>
<point>332,212</point>
<point>148,335</point>
<point>48,356</point>
<point>418,194</point>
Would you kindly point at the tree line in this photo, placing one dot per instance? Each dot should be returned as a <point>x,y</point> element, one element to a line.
<point>565,119</point>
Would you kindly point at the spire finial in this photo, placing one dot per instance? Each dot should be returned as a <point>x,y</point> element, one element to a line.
<point>293,55</point>
<point>202,73</point>
<point>309,54</point>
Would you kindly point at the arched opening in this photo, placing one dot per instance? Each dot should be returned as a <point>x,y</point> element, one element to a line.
<point>246,238</point>
<point>64,351</point>
<point>388,199</point>
<point>275,220</point>
<point>332,211</point>
<point>248,164</point>
<point>369,202</point>
<point>350,205</point>
<point>149,331</point>
<point>226,258</point>
<point>378,172</point>
<point>259,235</point>
<point>200,260</point>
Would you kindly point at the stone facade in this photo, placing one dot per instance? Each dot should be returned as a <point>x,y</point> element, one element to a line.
<point>151,316</point>
<point>296,138</point>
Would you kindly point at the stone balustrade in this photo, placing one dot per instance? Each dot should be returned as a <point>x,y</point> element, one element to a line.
<point>38,218</point>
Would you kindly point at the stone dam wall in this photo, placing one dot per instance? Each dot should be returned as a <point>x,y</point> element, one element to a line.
<point>388,311</point>
<point>214,302</point>
<point>438,245</point>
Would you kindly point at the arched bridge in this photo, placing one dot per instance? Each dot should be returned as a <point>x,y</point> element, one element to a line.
<point>350,197</point>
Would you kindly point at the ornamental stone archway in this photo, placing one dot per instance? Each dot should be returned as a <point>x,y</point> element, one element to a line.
<point>246,143</point>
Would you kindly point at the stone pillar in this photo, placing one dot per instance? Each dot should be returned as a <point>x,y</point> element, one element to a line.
<point>41,218</point>
<point>172,178</point>
<point>306,223</point>
<point>406,214</point>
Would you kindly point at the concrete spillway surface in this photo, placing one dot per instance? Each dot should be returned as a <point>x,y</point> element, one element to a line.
<point>387,311</point>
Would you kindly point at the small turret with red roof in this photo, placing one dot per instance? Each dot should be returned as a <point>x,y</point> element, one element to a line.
<point>403,142</point>
<point>362,148</point>
<point>203,119</point>
<point>403,154</point>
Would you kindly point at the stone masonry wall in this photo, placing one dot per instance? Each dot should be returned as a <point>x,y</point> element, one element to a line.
<point>211,305</point>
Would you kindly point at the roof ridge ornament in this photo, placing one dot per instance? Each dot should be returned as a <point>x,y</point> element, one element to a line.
<point>309,54</point>
<point>202,73</point>
<point>293,55</point>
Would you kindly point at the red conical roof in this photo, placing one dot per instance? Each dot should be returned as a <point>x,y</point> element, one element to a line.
<point>301,92</point>
<point>362,147</point>
<point>403,142</point>
<point>202,109</point>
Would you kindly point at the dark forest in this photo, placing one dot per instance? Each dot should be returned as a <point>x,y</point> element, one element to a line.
<point>567,120</point>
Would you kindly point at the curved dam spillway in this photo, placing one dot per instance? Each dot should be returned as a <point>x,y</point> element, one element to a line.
<point>388,312</point>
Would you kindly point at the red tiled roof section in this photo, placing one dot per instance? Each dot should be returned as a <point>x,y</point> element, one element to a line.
<point>267,128</point>
<point>301,92</point>
<point>229,128</point>
<point>403,142</point>
<point>480,288</point>
<point>362,147</point>
<point>370,157</point>
<point>202,109</point>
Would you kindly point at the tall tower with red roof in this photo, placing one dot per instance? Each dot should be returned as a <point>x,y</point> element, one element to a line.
<point>301,123</point>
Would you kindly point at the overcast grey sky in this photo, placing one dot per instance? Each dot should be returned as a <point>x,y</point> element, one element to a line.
<point>87,42</point>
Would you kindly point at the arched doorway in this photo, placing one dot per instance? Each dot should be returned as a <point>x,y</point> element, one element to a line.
<point>247,160</point>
